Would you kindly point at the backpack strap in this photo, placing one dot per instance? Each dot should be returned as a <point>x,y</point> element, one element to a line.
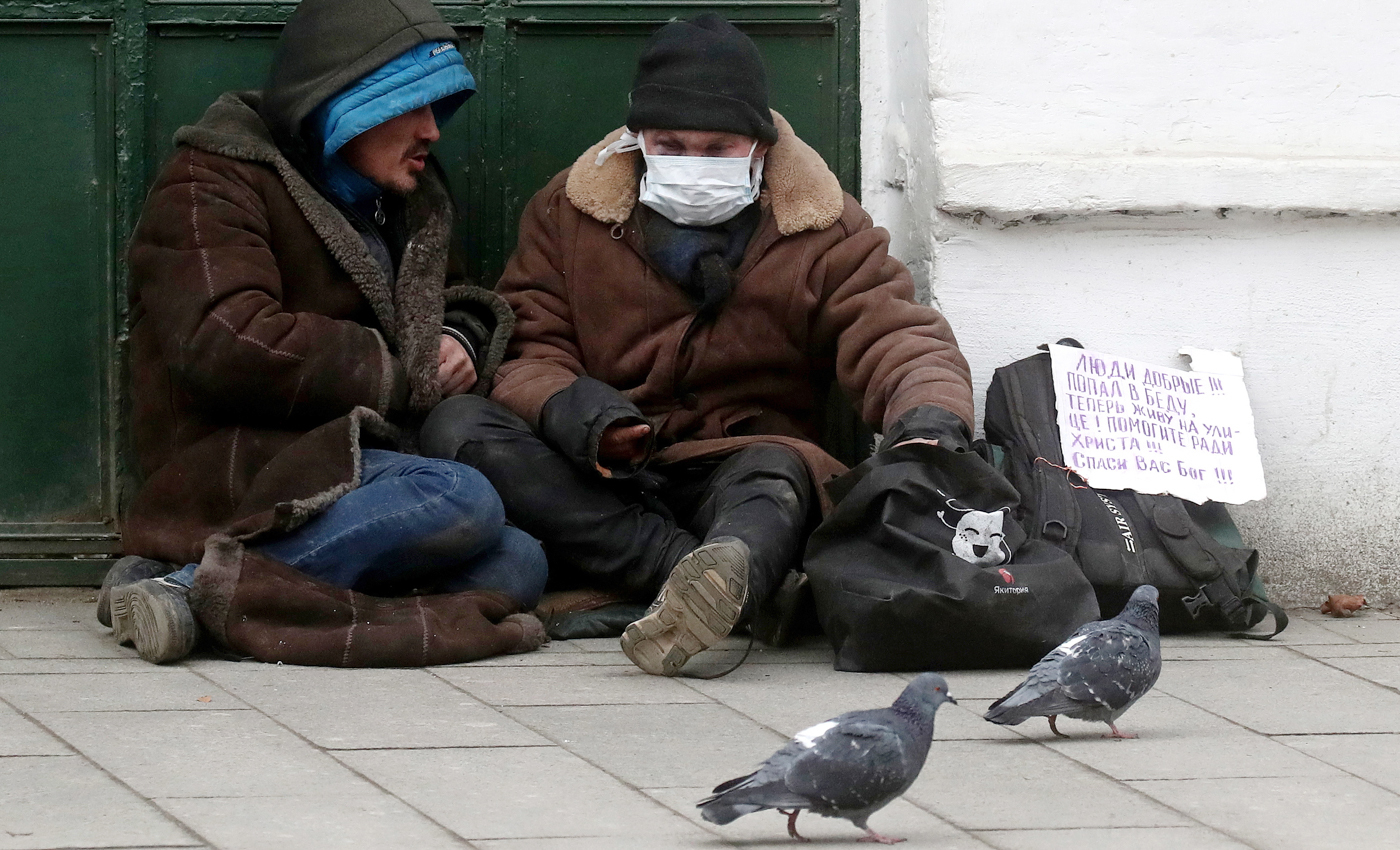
<point>1212,566</point>
<point>1020,417</point>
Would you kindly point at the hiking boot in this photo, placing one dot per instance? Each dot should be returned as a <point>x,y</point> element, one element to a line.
<point>154,616</point>
<point>125,571</point>
<point>697,607</point>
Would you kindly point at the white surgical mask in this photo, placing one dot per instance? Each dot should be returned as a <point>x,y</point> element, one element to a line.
<point>694,190</point>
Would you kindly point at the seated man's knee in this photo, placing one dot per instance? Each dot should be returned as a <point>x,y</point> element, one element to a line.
<point>776,462</point>
<point>461,419</point>
<point>471,498</point>
<point>453,501</point>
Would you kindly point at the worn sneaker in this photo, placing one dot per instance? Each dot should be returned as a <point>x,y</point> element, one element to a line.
<point>125,571</point>
<point>154,616</point>
<point>699,604</point>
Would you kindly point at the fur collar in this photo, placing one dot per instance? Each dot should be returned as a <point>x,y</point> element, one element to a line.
<point>410,311</point>
<point>797,184</point>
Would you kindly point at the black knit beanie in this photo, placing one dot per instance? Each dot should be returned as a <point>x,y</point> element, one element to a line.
<point>702,74</point>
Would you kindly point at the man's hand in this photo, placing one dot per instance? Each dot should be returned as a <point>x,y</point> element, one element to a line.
<point>622,445</point>
<point>456,372</point>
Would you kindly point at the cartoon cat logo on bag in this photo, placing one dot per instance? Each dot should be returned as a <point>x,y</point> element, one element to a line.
<point>977,536</point>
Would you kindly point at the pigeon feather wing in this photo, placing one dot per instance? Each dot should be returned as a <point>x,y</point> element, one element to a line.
<point>1040,693</point>
<point>860,762</point>
<point>1111,667</point>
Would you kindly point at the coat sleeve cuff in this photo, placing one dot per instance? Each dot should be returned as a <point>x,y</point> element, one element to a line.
<point>573,421</point>
<point>486,322</point>
<point>466,342</point>
<point>928,422</point>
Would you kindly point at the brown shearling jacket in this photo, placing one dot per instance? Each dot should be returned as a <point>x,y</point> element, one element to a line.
<point>266,340</point>
<point>817,296</point>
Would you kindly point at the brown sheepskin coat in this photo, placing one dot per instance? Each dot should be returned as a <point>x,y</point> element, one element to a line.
<point>817,295</point>
<point>267,346</point>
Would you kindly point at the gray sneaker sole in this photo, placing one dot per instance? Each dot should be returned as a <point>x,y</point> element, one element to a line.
<point>125,571</point>
<point>160,625</point>
<point>699,605</point>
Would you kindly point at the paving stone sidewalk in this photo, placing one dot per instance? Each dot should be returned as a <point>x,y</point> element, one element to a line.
<point>1289,744</point>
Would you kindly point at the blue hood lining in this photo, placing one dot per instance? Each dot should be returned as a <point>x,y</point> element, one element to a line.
<point>429,73</point>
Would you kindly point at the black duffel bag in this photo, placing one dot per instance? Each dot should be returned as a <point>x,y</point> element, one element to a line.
<point>921,566</point>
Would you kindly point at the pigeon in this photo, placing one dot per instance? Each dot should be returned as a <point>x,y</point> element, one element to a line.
<point>1096,675</point>
<point>848,767</point>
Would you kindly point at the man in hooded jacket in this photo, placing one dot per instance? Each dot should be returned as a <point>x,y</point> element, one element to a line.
<point>298,305</point>
<point>685,295</point>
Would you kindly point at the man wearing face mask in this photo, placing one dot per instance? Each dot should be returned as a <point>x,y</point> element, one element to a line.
<point>685,295</point>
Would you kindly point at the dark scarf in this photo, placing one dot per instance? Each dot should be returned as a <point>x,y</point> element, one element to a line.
<point>701,260</point>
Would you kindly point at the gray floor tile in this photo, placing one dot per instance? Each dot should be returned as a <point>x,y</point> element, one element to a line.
<point>202,754</point>
<point>808,652</point>
<point>604,842</point>
<point>1375,758</point>
<point>900,819</point>
<point>595,644</point>
<point>1382,671</point>
<point>1129,838</point>
<point>556,653</point>
<point>348,709</point>
<point>48,607</point>
<point>169,689</point>
<point>53,666</point>
<point>1242,650</point>
<point>620,659</point>
<point>1178,741</point>
<point>369,820</point>
<point>20,736</point>
<point>518,792</point>
<point>979,785</point>
<point>1302,631</point>
<point>1289,696</point>
<point>981,684</point>
<point>66,643</point>
<point>1297,813</point>
<point>1350,650</point>
<point>790,698</point>
<point>530,659</point>
<point>1365,627</point>
<point>726,658</point>
<point>63,801</point>
<point>589,685</point>
<point>657,746</point>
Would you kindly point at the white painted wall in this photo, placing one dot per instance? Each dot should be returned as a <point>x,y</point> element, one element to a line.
<point>1144,176</point>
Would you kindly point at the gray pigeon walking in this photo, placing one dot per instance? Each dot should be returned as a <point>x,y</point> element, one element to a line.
<point>848,767</point>
<point>1097,674</point>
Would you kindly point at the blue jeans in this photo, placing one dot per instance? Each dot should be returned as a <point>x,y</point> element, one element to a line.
<point>416,524</point>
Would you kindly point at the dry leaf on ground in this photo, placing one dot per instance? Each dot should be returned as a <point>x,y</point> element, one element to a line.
<point>1343,604</point>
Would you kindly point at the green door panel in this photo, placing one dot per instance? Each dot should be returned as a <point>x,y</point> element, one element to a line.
<point>56,339</point>
<point>189,67</point>
<point>94,90</point>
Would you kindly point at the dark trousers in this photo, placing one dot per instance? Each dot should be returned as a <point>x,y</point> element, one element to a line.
<point>627,535</point>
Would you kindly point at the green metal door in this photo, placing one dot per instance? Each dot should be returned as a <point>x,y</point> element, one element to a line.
<point>92,92</point>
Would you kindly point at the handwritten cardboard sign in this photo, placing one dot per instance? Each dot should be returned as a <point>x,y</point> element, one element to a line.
<point>1128,425</point>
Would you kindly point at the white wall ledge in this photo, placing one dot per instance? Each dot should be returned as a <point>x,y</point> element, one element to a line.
<point>1018,187</point>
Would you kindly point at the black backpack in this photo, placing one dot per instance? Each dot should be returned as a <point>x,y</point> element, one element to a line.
<point>1191,553</point>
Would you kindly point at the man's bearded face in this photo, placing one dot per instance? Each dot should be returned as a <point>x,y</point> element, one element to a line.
<point>392,155</point>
